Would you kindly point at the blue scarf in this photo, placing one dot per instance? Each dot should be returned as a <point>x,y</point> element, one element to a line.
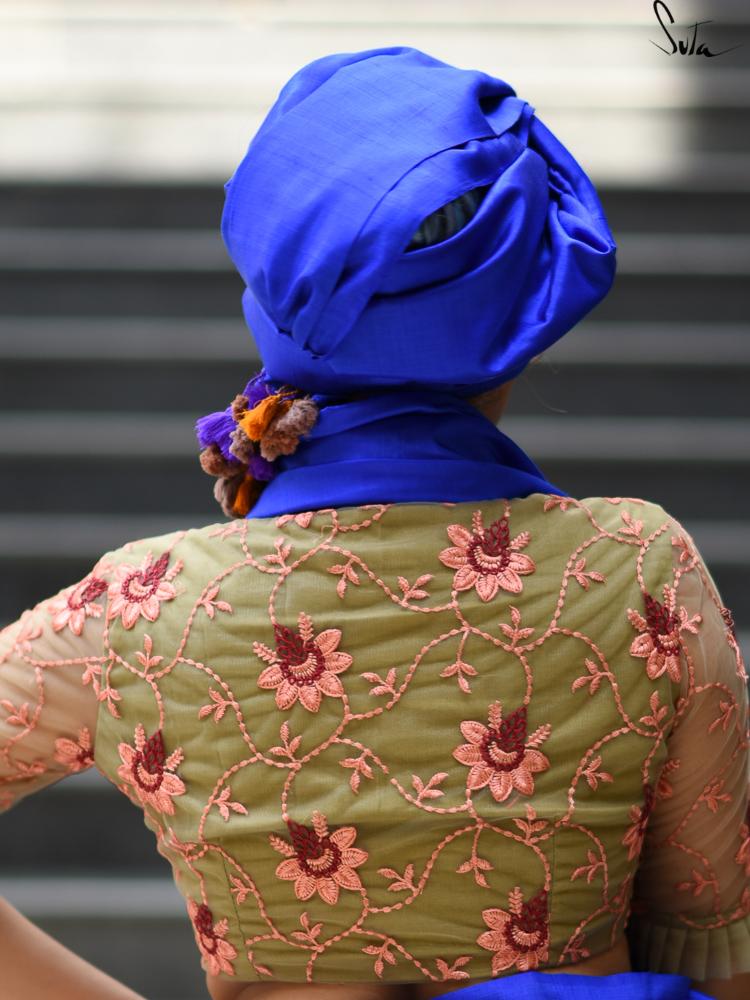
<point>400,447</point>
<point>357,151</point>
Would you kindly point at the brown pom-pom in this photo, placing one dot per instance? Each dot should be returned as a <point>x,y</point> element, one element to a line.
<point>284,432</point>
<point>241,447</point>
<point>225,492</point>
<point>239,405</point>
<point>213,462</point>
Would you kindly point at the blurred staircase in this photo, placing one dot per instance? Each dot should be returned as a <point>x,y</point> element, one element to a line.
<point>120,324</point>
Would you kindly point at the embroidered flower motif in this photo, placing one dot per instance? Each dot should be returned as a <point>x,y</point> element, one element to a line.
<point>77,755</point>
<point>303,665</point>
<point>211,939</point>
<point>74,608</point>
<point>659,641</point>
<point>140,590</point>
<point>150,771</point>
<point>639,815</point>
<point>319,861</point>
<point>487,558</point>
<point>500,755</point>
<point>519,935</point>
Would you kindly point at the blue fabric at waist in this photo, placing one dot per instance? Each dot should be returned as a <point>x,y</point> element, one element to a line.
<point>564,986</point>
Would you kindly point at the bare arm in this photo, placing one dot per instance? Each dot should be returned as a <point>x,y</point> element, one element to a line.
<point>736,988</point>
<point>36,967</point>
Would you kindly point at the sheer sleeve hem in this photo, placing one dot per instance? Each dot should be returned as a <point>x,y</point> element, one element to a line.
<point>719,952</point>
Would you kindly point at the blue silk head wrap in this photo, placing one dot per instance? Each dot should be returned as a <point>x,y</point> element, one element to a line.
<point>358,149</point>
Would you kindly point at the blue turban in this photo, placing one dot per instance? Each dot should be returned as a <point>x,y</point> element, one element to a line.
<point>357,150</point>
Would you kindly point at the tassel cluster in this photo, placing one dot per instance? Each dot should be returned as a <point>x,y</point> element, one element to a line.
<point>241,443</point>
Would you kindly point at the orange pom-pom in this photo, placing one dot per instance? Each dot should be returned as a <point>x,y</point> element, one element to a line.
<point>246,497</point>
<point>254,422</point>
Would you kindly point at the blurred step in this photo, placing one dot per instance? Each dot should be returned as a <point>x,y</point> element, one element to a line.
<point>706,206</point>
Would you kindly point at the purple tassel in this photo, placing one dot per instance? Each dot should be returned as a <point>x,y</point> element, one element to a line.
<point>256,389</point>
<point>261,469</point>
<point>216,428</point>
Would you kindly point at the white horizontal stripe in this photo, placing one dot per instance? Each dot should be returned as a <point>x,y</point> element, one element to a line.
<point>102,897</point>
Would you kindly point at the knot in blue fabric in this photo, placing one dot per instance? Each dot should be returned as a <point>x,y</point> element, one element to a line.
<point>356,151</point>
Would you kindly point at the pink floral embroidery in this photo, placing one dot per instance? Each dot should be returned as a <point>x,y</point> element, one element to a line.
<point>150,771</point>
<point>487,558</point>
<point>639,815</point>
<point>500,755</point>
<point>211,939</point>
<point>76,755</point>
<point>319,861</point>
<point>140,590</point>
<point>519,936</point>
<point>659,641</point>
<point>303,665</point>
<point>74,608</point>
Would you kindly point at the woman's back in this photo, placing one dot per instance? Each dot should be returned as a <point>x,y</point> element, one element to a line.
<point>420,742</point>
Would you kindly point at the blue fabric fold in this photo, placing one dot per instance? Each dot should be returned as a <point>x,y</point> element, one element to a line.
<point>565,986</point>
<point>357,150</point>
<point>400,447</point>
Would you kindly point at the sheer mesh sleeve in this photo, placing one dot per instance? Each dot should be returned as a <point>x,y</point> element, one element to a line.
<point>50,665</point>
<point>692,896</point>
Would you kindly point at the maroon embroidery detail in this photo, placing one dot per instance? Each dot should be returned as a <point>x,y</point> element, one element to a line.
<point>140,591</point>
<point>210,937</point>
<point>726,614</point>
<point>659,641</point>
<point>77,755</point>
<point>500,755</point>
<point>518,936</point>
<point>487,558</point>
<point>73,609</point>
<point>319,861</point>
<point>303,666</point>
<point>147,768</point>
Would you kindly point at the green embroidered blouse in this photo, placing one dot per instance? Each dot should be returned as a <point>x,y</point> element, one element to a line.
<point>411,741</point>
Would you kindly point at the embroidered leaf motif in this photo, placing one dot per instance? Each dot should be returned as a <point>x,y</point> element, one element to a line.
<point>585,578</point>
<point>531,824</point>
<point>211,605</point>
<point>110,695</point>
<point>289,747</point>
<point>593,679</point>
<point>714,795</point>
<point>430,790</point>
<point>414,592</point>
<point>260,649</point>
<point>309,934</point>
<point>514,632</point>
<point>348,575</point>
<point>361,767</point>
<point>459,668</point>
<point>281,555</point>
<point>146,660</point>
<point>657,713</point>
<point>590,869</point>
<point>225,805</point>
<point>303,519</point>
<point>383,954</point>
<point>400,882</point>
<point>632,527</point>
<point>697,884</point>
<point>219,706</point>
<point>91,674</point>
<point>386,686</point>
<point>593,775</point>
<point>263,970</point>
<point>16,716</point>
<point>562,502</point>
<point>724,717</point>
<point>453,971</point>
<point>239,889</point>
<point>476,865</point>
<point>664,788</point>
